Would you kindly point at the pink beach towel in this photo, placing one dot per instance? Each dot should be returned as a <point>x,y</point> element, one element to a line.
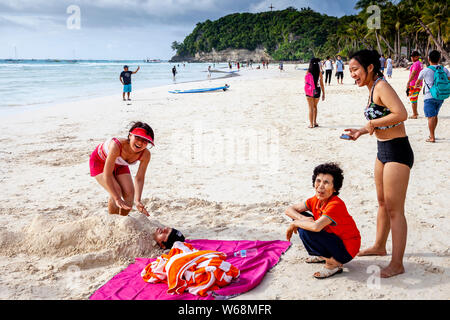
<point>128,284</point>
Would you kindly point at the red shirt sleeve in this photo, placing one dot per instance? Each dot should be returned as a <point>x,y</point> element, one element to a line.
<point>311,204</point>
<point>334,211</point>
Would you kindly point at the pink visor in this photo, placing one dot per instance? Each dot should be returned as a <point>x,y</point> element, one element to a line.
<point>141,132</point>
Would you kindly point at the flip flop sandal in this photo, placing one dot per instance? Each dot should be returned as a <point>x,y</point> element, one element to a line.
<point>314,259</point>
<point>326,273</point>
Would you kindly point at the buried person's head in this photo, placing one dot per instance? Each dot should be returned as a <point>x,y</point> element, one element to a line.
<point>165,237</point>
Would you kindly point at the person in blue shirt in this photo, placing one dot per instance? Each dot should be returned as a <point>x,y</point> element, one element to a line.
<point>340,70</point>
<point>431,106</point>
<point>125,79</point>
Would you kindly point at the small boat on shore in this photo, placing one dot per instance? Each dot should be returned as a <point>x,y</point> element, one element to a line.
<point>224,88</point>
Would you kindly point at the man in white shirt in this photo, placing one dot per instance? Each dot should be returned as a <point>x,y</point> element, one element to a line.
<point>431,105</point>
<point>328,70</point>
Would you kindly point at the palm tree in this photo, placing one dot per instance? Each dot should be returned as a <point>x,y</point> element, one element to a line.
<point>424,11</point>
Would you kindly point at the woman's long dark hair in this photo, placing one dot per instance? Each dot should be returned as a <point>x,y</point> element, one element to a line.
<point>314,69</point>
<point>367,58</point>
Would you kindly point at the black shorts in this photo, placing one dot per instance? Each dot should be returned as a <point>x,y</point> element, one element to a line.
<point>340,74</point>
<point>396,150</point>
<point>317,92</point>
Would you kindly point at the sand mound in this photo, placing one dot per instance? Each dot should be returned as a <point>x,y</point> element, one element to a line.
<point>86,241</point>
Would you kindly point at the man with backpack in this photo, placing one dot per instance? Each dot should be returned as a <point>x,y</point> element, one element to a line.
<point>435,90</point>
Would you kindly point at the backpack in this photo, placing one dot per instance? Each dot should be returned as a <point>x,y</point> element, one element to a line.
<point>440,89</point>
<point>309,84</point>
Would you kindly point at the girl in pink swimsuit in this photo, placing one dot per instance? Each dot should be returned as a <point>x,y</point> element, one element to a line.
<point>109,166</point>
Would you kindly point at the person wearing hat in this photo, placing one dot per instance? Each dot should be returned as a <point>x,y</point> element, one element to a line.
<point>109,164</point>
<point>411,89</point>
<point>125,79</point>
<point>166,237</point>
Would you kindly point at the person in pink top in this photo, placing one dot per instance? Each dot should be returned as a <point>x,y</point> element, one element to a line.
<point>412,90</point>
<point>109,166</point>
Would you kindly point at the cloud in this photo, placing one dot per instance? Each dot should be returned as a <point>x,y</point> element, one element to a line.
<point>124,13</point>
<point>39,27</point>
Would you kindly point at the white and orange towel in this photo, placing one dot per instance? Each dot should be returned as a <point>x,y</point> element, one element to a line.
<point>185,268</point>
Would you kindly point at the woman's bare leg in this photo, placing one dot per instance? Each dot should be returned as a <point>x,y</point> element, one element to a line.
<point>112,207</point>
<point>395,184</point>
<point>383,221</point>
<point>126,185</point>
<point>316,102</point>
<point>311,111</point>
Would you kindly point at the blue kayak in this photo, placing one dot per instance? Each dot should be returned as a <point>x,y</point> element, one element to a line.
<point>224,88</point>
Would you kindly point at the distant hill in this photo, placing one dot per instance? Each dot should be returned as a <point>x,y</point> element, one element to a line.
<point>293,34</point>
<point>288,34</point>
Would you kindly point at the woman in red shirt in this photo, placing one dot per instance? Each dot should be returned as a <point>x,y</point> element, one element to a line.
<point>330,235</point>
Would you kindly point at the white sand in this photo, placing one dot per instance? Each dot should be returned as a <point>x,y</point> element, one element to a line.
<point>226,166</point>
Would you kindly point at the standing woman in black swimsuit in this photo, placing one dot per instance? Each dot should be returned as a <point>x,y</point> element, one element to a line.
<point>385,114</point>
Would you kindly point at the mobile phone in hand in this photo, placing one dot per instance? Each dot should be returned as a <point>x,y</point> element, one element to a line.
<point>345,136</point>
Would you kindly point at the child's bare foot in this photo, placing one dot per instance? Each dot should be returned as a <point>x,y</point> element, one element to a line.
<point>373,251</point>
<point>391,271</point>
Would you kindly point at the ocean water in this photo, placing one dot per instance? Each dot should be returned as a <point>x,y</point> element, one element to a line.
<point>30,84</point>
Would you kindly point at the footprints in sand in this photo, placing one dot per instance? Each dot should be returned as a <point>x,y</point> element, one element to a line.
<point>55,157</point>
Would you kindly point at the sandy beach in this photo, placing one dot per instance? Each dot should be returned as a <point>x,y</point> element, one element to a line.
<point>225,166</point>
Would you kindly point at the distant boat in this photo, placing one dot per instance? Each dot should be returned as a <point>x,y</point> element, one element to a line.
<point>152,60</point>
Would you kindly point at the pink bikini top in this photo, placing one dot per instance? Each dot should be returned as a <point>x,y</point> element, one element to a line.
<point>103,152</point>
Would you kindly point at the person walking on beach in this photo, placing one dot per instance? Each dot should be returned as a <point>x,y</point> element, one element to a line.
<point>125,79</point>
<point>209,72</point>
<point>174,72</point>
<point>340,70</point>
<point>382,63</point>
<point>411,88</point>
<point>432,104</point>
<point>385,114</point>
<point>330,234</point>
<point>313,91</point>
<point>109,165</point>
<point>328,70</point>
<point>389,67</point>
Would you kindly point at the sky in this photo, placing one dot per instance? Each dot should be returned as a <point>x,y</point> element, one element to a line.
<point>121,29</point>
